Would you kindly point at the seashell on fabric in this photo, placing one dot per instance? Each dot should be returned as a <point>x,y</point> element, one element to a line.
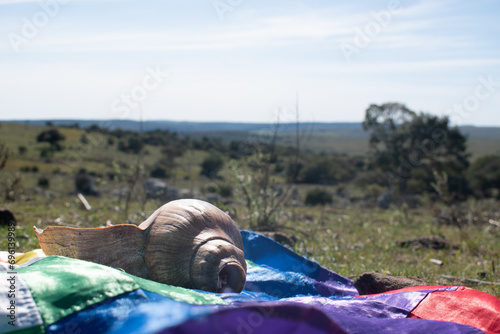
<point>188,243</point>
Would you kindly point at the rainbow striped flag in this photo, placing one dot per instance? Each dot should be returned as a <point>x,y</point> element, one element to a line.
<point>284,293</point>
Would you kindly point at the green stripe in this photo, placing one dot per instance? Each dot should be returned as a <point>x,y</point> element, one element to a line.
<point>250,264</point>
<point>61,286</point>
<point>179,294</point>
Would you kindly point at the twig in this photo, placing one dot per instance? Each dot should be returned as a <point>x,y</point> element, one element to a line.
<point>84,202</point>
<point>436,261</point>
<point>494,222</point>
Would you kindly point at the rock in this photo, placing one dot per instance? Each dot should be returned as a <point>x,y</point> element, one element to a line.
<point>372,283</point>
<point>172,193</point>
<point>157,189</point>
<point>7,218</point>
<point>214,198</point>
<point>189,193</point>
<point>278,190</point>
<point>297,203</point>
<point>385,199</point>
<point>85,184</point>
<point>120,192</point>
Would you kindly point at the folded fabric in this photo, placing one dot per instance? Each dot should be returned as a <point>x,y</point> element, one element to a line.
<point>284,293</point>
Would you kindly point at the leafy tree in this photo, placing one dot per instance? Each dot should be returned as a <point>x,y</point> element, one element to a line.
<point>484,175</point>
<point>386,137</point>
<point>409,147</point>
<point>51,136</point>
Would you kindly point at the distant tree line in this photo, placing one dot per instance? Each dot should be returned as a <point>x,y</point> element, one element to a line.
<point>410,153</point>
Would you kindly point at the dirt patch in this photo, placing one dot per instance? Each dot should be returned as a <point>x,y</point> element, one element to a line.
<point>430,242</point>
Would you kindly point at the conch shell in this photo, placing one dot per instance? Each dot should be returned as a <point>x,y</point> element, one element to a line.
<point>188,243</point>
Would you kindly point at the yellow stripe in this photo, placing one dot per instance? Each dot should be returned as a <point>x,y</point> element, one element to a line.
<point>23,258</point>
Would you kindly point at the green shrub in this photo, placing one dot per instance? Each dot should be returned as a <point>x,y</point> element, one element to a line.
<point>318,197</point>
<point>27,169</point>
<point>134,145</point>
<point>159,172</point>
<point>46,152</point>
<point>365,178</point>
<point>325,170</point>
<point>225,190</point>
<point>84,139</point>
<point>43,182</point>
<point>211,166</point>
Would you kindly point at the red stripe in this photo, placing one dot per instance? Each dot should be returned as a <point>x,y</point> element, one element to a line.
<point>464,306</point>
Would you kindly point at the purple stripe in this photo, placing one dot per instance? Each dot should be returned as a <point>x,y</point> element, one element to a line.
<point>289,317</point>
<point>353,307</point>
<point>269,318</point>
<point>404,300</point>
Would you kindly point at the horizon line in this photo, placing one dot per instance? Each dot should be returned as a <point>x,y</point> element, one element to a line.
<point>201,122</point>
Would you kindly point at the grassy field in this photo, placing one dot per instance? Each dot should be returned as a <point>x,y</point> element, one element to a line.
<point>349,238</point>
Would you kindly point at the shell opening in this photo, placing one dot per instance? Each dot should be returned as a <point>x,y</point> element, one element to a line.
<point>231,278</point>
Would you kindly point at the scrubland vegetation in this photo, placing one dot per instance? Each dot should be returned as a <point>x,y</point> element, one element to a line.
<point>352,213</point>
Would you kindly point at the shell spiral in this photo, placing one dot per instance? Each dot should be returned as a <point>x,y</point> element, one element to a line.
<point>189,243</point>
<point>192,243</point>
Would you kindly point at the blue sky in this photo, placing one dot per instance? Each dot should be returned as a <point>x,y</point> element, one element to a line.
<point>246,61</point>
